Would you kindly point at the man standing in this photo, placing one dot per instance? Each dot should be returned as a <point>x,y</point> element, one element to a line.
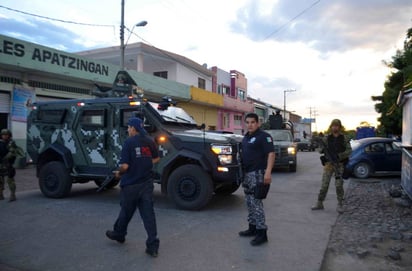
<point>138,155</point>
<point>258,157</point>
<point>339,150</point>
<point>8,153</point>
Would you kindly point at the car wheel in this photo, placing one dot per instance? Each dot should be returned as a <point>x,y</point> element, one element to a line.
<point>54,180</point>
<point>292,168</point>
<point>190,187</point>
<point>361,170</point>
<point>227,189</point>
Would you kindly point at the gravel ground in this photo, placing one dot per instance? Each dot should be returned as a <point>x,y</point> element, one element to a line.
<point>374,232</point>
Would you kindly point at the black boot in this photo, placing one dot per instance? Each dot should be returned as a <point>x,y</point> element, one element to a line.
<point>260,238</point>
<point>249,232</point>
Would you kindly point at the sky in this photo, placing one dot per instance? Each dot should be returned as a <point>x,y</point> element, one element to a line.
<point>330,52</point>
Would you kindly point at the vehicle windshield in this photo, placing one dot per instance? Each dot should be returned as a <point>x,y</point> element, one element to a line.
<point>174,114</point>
<point>279,135</point>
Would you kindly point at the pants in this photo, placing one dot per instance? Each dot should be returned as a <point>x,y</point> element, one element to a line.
<point>328,171</point>
<point>133,197</point>
<point>11,172</point>
<point>256,214</point>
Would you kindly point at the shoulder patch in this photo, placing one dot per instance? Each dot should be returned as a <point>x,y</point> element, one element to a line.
<point>269,139</point>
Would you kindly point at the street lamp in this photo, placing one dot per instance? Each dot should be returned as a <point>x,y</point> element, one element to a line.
<point>122,45</point>
<point>284,101</point>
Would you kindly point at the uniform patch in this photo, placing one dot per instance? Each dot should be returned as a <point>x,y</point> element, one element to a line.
<point>269,139</point>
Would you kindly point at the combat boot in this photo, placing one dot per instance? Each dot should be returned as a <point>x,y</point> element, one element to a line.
<point>251,231</point>
<point>260,238</point>
<point>318,206</point>
<point>13,197</point>
<point>339,208</point>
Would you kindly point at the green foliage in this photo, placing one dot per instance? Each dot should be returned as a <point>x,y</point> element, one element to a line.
<point>401,78</point>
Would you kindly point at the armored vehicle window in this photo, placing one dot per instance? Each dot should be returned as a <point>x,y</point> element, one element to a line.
<point>55,116</point>
<point>93,118</point>
<point>129,113</point>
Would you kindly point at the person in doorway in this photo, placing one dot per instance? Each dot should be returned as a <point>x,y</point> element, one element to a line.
<point>139,153</point>
<point>258,157</point>
<point>339,150</point>
<point>8,154</point>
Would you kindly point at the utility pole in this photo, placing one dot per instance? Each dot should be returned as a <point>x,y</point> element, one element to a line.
<point>284,101</point>
<point>122,37</point>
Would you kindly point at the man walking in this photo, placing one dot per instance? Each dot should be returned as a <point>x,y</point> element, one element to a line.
<point>138,155</point>
<point>339,150</point>
<point>8,153</point>
<point>258,157</point>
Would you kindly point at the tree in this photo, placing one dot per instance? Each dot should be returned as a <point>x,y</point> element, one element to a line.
<point>401,78</point>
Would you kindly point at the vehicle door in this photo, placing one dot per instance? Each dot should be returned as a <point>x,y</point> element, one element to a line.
<point>93,129</point>
<point>376,154</point>
<point>393,157</point>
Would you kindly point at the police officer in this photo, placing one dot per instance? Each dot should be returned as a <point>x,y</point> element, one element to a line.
<point>138,155</point>
<point>258,157</point>
<point>340,150</point>
<point>8,153</point>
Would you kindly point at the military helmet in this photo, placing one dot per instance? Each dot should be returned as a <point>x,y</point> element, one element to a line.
<point>335,122</point>
<point>5,132</point>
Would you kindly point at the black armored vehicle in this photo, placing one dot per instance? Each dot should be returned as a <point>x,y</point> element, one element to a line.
<point>77,141</point>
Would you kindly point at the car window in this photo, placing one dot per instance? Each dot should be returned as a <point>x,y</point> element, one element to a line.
<point>375,148</point>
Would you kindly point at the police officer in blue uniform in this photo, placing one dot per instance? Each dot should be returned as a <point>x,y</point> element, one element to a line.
<point>258,157</point>
<point>138,155</point>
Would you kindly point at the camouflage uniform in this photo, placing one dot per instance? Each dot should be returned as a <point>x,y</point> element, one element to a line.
<point>8,153</point>
<point>256,213</point>
<point>340,148</point>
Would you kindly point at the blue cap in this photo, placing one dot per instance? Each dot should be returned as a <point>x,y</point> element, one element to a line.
<point>137,124</point>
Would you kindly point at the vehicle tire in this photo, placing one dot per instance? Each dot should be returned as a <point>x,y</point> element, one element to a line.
<point>227,189</point>
<point>362,170</point>
<point>113,183</point>
<point>292,168</point>
<point>190,187</point>
<point>55,180</point>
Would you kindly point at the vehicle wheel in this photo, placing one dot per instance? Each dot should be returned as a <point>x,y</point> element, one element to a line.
<point>190,187</point>
<point>54,180</point>
<point>292,168</point>
<point>227,189</point>
<point>361,170</point>
<point>112,183</point>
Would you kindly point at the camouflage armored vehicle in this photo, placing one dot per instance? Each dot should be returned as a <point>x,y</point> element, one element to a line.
<point>77,141</point>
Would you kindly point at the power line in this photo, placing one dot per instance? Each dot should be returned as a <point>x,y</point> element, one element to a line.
<point>291,20</point>
<point>54,19</point>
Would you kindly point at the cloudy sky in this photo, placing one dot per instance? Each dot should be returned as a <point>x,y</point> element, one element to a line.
<point>329,51</point>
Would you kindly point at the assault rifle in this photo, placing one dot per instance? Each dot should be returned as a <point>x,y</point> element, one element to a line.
<point>109,178</point>
<point>330,157</point>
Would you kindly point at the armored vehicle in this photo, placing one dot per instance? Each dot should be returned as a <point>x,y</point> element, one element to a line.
<point>285,147</point>
<point>78,141</point>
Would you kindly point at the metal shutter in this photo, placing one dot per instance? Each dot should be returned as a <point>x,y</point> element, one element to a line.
<point>4,103</point>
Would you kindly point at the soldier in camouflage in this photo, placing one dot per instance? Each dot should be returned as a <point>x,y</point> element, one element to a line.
<point>258,157</point>
<point>8,153</point>
<point>340,149</point>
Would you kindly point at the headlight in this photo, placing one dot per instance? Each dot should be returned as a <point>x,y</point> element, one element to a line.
<point>291,150</point>
<point>224,153</point>
<point>225,159</point>
<point>222,149</point>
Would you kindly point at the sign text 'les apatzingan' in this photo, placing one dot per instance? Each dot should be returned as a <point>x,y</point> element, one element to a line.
<point>53,58</point>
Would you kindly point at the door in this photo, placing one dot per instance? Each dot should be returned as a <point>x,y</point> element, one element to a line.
<point>93,130</point>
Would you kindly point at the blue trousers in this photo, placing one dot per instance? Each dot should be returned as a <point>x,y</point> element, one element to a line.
<point>138,196</point>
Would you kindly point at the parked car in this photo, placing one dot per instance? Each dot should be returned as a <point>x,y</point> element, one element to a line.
<point>374,156</point>
<point>305,145</point>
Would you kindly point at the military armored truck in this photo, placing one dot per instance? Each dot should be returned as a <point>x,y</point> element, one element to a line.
<point>285,147</point>
<point>78,141</point>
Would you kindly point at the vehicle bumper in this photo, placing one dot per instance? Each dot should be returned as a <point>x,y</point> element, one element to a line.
<point>226,174</point>
<point>285,161</point>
